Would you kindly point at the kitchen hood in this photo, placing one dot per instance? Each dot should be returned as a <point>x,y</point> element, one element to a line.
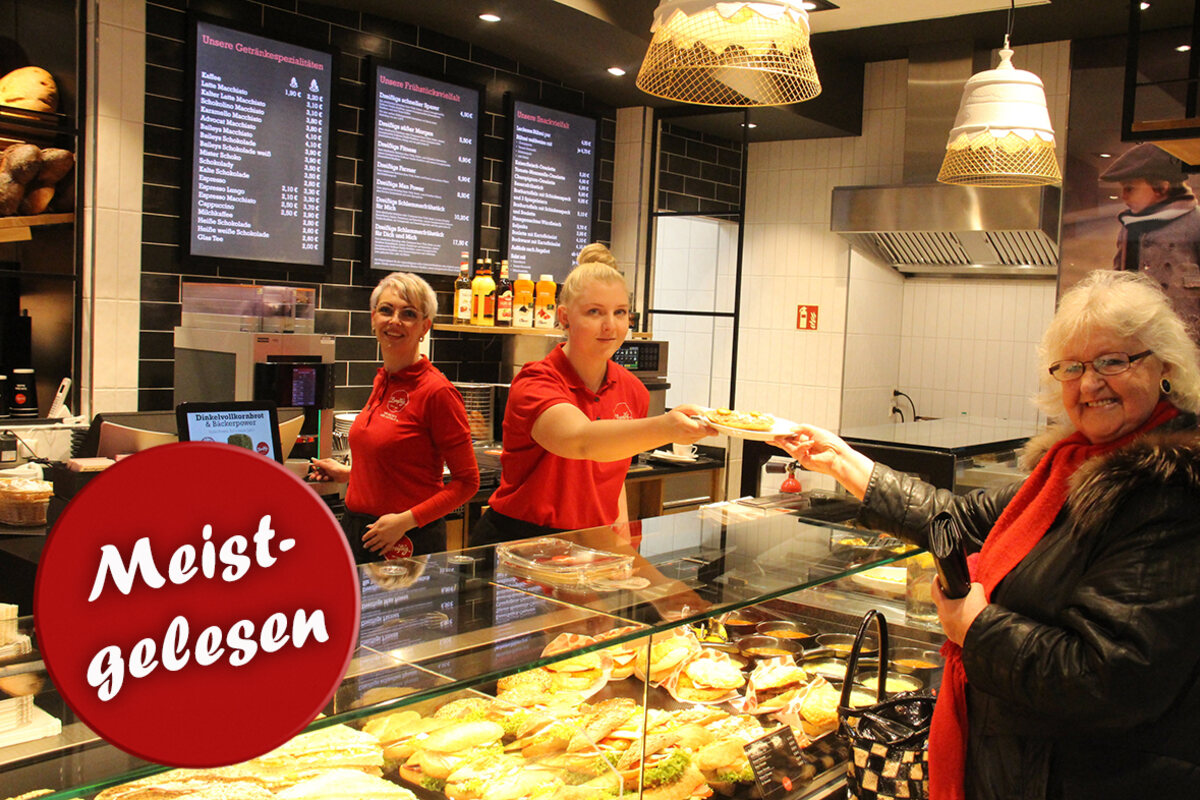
<point>936,229</point>
<point>927,228</point>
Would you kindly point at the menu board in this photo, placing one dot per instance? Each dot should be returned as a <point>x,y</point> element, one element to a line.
<point>260,149</point>
<point>426,157</point>
<point>550,192</point>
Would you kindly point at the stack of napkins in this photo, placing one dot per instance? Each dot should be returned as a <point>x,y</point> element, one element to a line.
<point>15,712</point>
<point>12,643</point>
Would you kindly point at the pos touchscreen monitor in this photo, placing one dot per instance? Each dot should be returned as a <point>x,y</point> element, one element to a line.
<point>249,424</point>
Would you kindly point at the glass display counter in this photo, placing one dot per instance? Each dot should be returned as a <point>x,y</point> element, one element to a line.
<point>601,661</point>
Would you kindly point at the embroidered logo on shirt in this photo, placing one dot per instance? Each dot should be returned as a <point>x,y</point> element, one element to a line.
<point>395,404</point>
<point>622,411</point>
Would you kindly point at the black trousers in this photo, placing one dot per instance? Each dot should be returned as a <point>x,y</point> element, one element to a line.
<point>427,539</point>
<point>494,528</point>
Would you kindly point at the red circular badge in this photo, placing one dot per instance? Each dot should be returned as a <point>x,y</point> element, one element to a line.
<point>197,604</point>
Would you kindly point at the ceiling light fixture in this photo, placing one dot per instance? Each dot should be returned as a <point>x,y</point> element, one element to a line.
<point>489,17</point>
<point>616,71</point>
<point>1183,48</point>
<point>1106,155</point>
<point>1144,6</point>
<point>749,124</point>
<point>730,54</point>
<point>1002,135</point>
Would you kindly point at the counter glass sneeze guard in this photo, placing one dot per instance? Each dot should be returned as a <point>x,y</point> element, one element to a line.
<point>457,622</point>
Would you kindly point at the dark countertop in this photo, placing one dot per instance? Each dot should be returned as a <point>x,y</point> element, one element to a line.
<point>958,435</point>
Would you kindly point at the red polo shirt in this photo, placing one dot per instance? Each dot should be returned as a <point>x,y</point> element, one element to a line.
<point>413,422</point>
<point>540,487</point>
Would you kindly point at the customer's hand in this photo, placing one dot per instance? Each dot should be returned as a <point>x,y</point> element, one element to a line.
<point>819,450</point>
<point>957,615</point>
<point>327,469</point>
<point>382,534</point>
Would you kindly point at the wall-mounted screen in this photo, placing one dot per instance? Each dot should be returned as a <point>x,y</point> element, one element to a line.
<point>550,189</point>
<point>425,158</point>
<point>260,148</point>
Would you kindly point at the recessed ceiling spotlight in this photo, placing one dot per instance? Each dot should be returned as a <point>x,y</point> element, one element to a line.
<point>616,71</point>
<point>818,5</point>
<point>1144,6</point>
<point>808,5</point>
<point>1106,155</point>
<point>1183,48</point>
<point>490,17</point>
<point>749,124</point>
<point>1112,197</point>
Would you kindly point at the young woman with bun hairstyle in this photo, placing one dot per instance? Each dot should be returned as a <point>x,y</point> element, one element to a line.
<point>575,419</point>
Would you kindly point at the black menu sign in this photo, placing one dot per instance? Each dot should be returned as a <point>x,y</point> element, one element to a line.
<point>423,177</point>
<point>260,151</point>
<point>550,193</point>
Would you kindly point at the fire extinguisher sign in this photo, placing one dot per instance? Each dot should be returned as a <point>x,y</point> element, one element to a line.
<point>806,318</point>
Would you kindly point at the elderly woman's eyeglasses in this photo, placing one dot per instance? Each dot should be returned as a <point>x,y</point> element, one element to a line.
<point>1107,364</point>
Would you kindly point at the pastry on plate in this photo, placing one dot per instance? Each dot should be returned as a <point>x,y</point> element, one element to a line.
<point>743,420</point>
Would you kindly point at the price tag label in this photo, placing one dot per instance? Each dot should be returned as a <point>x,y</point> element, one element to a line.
<point>196,604</point>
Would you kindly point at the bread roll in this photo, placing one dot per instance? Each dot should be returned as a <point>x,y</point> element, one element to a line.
<point>21,161</point>
<point>56,163</point>
<point>31,88</point>
<point>64,194</point>
<point>11,195</point>
<point>37,198</point>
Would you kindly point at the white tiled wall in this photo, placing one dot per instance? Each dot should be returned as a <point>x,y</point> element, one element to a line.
<point>969,346</point>
<point>873,319</point>
<point>112,235</point>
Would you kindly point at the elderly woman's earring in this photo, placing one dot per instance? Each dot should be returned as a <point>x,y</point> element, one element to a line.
<point>1165,386</point>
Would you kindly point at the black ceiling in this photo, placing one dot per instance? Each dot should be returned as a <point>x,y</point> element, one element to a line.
<point>576,41</point>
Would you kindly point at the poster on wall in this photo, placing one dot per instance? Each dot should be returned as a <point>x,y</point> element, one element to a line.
<point>551,189</point>
<point>424,174</point>
<point>1130,204</point>
<point>260,183</point>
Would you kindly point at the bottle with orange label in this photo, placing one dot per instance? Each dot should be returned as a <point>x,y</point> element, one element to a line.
<point>544,307</point>
<point>523,288</point>
<point>483,297</point>
<point>504,296</point>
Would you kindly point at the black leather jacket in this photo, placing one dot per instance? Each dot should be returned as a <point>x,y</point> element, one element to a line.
<point>1084,671</point>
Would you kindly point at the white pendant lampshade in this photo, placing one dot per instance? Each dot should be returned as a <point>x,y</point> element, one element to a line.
<point>730,53</point>
<point>1002,134</point>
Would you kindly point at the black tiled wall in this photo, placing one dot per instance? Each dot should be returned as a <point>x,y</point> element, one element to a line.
<point>698,172</point>
<point>343,291</point>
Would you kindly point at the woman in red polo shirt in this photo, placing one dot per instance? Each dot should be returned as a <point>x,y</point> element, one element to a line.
<point>413,423</point>
<point>574,421</point>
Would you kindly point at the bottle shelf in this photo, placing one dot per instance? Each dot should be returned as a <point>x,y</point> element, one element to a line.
<point>19,229</point>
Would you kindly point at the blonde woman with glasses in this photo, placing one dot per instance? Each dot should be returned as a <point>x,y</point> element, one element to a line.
<point>1073,664</point>
<point>413,423</point>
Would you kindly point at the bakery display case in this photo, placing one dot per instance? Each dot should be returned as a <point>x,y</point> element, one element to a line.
<point>662,659</point>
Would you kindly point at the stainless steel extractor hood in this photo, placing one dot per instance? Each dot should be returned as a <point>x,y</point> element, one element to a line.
<point>952,230</point>
<point>922,227</point>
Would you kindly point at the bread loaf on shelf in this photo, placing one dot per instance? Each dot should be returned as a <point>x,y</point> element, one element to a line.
<point>31,88</point>
<point>34,180</point>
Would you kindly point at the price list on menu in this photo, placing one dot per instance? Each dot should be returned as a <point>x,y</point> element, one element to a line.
<point>260,152</point>
<point>550,194</point>
<point>425,162</point>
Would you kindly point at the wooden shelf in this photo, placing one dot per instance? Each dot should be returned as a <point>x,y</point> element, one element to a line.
<point>19,229</point>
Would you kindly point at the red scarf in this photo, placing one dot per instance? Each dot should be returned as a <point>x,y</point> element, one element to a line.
<point>1021,526</point>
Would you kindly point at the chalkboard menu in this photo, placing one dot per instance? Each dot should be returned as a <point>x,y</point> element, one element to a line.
<point>550,189</point>
<point>425,161</point>
<point>260,148</point>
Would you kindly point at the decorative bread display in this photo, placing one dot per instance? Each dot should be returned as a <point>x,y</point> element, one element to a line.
<point>744,420</point>
<point>34,180</point>
<point>31,88</point>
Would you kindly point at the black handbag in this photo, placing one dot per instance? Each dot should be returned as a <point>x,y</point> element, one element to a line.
<point>889,740</point>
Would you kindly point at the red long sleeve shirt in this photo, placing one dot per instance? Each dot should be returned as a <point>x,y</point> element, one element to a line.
<point>413,422</point>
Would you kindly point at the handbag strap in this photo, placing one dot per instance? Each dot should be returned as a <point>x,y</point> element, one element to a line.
<point>856,650</point>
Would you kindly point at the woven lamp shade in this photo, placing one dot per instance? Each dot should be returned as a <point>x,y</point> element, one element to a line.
<point>1002,135</point>
<point>730,53</point>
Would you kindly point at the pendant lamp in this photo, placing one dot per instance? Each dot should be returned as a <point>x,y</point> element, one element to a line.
<point>1002,134</point>
<point>730,53</point>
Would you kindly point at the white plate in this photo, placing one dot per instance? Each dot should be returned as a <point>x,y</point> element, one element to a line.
<point>887,580</point>
<point>782,427</point>
<point>667,455</point>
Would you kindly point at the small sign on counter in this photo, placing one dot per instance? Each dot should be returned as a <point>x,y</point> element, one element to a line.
<point>779,767</point>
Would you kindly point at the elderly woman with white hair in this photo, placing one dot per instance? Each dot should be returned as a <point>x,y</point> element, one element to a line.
<point>413,423</point>
<point>1073,664</point>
